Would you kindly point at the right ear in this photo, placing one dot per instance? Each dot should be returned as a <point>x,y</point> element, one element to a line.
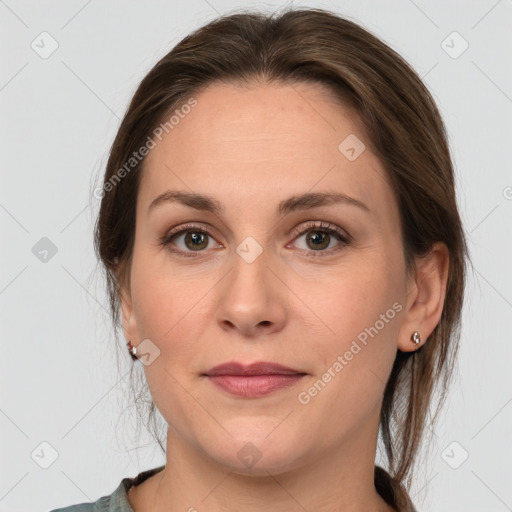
<point>128,320</point>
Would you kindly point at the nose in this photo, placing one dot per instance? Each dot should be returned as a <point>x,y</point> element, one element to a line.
<point>252,300</point>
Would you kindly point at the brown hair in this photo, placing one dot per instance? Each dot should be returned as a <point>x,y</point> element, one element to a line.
<point>404,129</point>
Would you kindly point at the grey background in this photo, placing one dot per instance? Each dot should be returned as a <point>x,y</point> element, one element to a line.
<point>59,379</point>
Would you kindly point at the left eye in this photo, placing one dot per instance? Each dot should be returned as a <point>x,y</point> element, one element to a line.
<point>319,236</point>
<point>320,239</point>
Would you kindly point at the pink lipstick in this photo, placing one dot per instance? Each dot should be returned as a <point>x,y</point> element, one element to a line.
<point>253,380</point>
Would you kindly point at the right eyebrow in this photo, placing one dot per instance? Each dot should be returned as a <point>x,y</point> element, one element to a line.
<point>197,201</point>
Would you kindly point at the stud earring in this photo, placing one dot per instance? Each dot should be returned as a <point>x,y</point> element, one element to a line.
<point>132,350</point>
<point>416,338</point>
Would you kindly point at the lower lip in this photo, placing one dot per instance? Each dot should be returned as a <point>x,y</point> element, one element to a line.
<point>255,385</point>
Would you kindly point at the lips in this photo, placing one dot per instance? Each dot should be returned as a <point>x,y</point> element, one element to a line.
<point>254,380</point>
<point>260,368</point>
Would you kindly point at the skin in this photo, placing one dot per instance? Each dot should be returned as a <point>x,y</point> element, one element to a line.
<point>250,148</point>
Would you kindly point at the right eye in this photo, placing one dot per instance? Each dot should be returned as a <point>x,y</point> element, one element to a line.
<point>194,239</point>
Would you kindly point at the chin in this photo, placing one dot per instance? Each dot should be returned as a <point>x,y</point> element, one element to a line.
<point>256,450</point>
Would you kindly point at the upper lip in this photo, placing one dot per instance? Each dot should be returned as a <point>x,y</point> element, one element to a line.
<point>259,368</point>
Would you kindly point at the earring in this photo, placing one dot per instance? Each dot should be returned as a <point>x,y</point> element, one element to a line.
<point>415,337</point>
<point>132,350</point>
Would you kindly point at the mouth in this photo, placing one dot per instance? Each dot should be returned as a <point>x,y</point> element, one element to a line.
<point>254,380</point>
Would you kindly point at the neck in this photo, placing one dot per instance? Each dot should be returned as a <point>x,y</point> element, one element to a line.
<point>338,480</point>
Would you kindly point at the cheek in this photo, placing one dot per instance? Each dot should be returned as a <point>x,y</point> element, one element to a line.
<point>360,320</point>
<point>164,297</point>
<point>170,312</point>
<point>348,301</point>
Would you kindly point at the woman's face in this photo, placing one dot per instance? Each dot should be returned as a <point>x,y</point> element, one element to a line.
<point>262,279</point>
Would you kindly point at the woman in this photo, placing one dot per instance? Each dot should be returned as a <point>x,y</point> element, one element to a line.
<point>281,240</point>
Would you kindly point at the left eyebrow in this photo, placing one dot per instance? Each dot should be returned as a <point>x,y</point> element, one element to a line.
<point>299,202</point>
<point>316,199</point>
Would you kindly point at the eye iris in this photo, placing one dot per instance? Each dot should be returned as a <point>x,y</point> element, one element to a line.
<point>199,240</point>
<point>318,236</point>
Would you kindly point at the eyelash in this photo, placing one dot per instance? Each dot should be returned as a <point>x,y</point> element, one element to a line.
<point>321,227</point>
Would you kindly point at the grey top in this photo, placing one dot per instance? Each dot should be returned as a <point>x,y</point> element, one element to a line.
<point>393,493</point>
<point>115,502</point>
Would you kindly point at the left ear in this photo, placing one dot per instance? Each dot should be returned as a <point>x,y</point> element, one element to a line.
<point>425,297</point>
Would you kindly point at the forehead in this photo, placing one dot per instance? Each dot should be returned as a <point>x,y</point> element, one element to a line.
<point>265,140</point>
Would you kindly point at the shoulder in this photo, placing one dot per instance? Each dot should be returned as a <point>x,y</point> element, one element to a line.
<point>102,504</point>
<point>112,502</point>
<point>115,502</point>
